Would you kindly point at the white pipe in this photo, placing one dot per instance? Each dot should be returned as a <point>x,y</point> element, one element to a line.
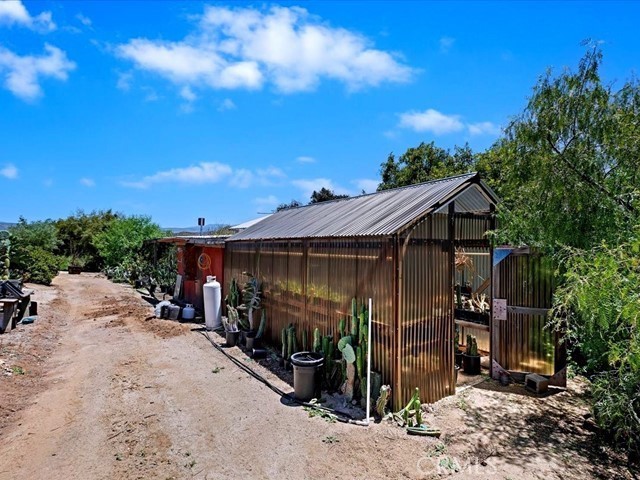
<point>369,365</point>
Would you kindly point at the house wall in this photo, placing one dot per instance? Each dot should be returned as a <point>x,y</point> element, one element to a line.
<point>194,273</point>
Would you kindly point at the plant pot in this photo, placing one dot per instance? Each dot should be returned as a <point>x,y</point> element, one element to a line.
<point>459,356</point>
<point>232,338</point>
<point>251,341</point>
<point>471,364</point>
<point>74,270</point>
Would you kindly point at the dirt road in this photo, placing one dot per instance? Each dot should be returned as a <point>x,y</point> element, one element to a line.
<point>99,390</point>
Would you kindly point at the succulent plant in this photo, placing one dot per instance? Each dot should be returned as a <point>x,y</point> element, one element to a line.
<point>472,346</point>
<point>317,340</point>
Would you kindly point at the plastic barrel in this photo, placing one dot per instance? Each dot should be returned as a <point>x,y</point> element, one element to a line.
<point>306,378</point>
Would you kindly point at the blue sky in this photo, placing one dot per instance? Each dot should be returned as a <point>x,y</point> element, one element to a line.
<point>224,110</point>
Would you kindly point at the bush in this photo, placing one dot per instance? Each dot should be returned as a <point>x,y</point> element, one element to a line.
<point>43,266</point>
<point>32,247</point>
<point>600,306</point>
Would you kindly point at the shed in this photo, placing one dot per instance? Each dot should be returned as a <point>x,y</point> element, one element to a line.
<point>197,257</point>
<point>395,246</point>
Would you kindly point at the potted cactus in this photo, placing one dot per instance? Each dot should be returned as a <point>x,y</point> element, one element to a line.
<point>456,346</point>
<point>231,326</point>
<point>472,357</point>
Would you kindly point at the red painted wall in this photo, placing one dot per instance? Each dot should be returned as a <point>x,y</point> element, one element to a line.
<point>194,273</point>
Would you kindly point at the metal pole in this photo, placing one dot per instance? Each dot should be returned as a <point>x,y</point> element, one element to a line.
<point>369,365</point>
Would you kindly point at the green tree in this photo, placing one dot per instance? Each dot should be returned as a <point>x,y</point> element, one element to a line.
<point>324,195</point>
<point>77,233</point>
<point>123,238</point>
<point>424,163</point>
<point>32,250</point>
<point>568,168</point>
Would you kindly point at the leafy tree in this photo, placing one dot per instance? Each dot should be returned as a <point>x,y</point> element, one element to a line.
<point>32,250</point>
<point>599,305</point>
<point>77,233</point>
<point>424,163</point>
<point>123,238</point>
<point>324,195</point>
<point>291,204</point>
<point>568,168</point>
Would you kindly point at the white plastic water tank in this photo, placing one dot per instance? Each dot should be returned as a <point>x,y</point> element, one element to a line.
<point>212,294</point>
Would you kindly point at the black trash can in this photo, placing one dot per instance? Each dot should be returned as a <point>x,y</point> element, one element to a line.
<point>306,375</point>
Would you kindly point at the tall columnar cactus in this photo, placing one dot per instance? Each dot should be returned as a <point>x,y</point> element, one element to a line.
<point>472,346</point>
<point>342,327</point>
<point>283,337</point>
<point>304,340</point>
<point>263,324</point>
<point>354,320</point>
<point>317,340</point>
<point>233,298</point>
<point>291,341</point>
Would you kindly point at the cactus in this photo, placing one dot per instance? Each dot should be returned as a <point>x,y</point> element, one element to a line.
<point>412,409</point>
<point>317,340</point>
<point>234,294</point>
<point>343,342</point>
<point>231,321</point>
<point>381,404</point>
<point>341,327</point>
<point>349,358</point>
<point>304,341</point>
<point>354,321</point>
<point>472,346</point>
<point>263,324</point>
<point>291,341</point>
<point>284,343</point>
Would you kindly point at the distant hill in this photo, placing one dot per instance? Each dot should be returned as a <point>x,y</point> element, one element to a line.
<point>195,230</point>
<point>6,225</point>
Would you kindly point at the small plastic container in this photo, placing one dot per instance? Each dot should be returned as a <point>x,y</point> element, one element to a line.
<point>188,312</point>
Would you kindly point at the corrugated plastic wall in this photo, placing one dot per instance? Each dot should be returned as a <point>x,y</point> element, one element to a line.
<point>311,284</point>
<point>426,320</point>
<point>522,343</point>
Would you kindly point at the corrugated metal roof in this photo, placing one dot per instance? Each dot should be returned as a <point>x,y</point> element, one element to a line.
<point>250,223</point>
<point>380,213</point>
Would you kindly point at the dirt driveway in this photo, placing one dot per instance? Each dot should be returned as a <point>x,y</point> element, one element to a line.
<point>96,389</point>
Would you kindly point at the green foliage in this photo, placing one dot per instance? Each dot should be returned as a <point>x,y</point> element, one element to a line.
<point>568,168</point>
<point>286,206</point>
<point>32,247</point>
<point>472,346</point>
<point>324,195</point>
<point>76,234</point>
<point>423,163</point>
<point>348,354</point>
<point>599,306</point>
<point>124,237</point>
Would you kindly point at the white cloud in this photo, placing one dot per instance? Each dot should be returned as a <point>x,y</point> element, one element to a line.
<point>87,182</point>
<point>22,75</point>
<point>308,186</point>
<point>248,48</point>
<point>305,159</point>
<point>266,203</point>
<point>244,178</point>
<point>14,12</point>
<point>431,121</point>
<point>9,171</point>
<point>124,81</point>
<point>212,172</point>
<point>484,128</point>
<point>226,104</point>
<point>366,184</point>
<point>446,43</point>
<point>84,20</point>
<point>188,94</point>
<point>203,173</point>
